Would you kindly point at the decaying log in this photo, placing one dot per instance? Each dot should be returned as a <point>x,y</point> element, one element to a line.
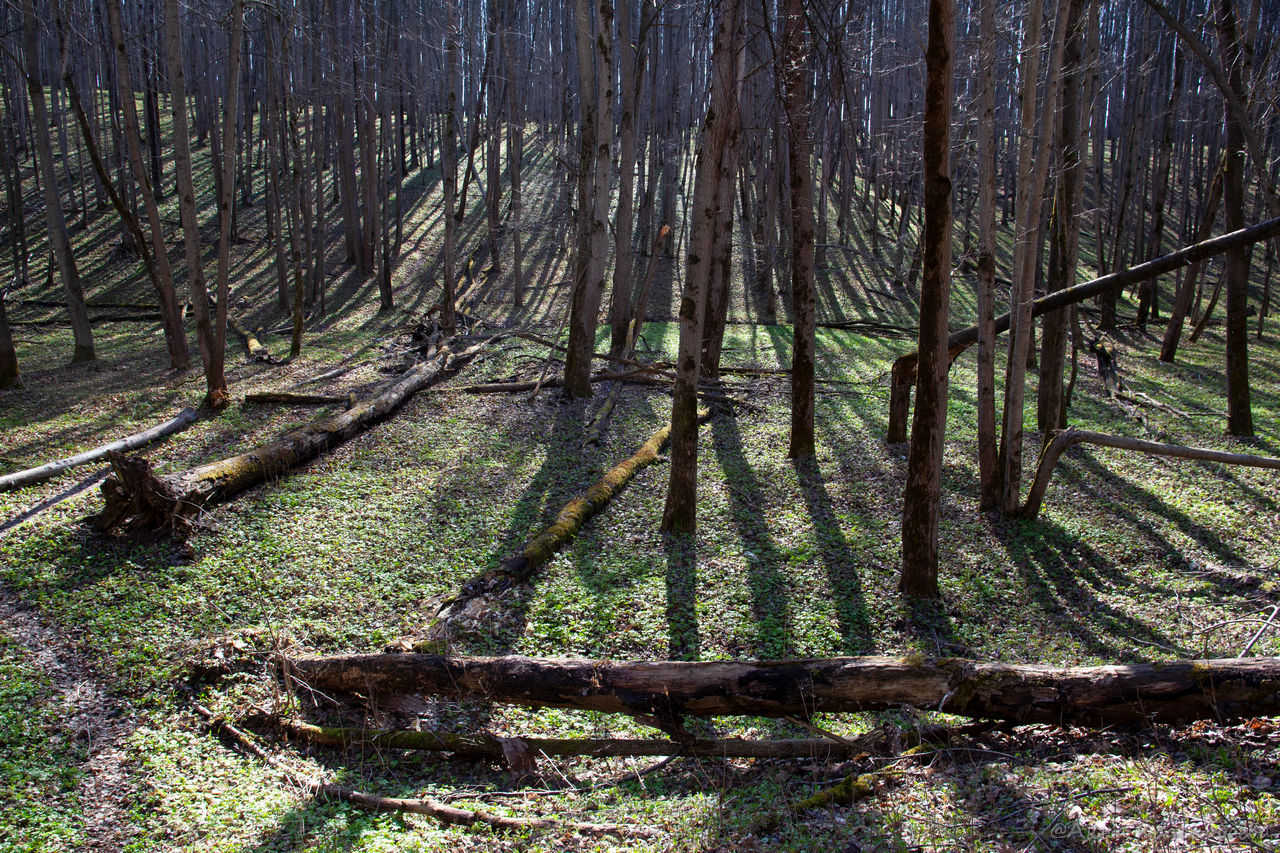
<point>289,398</point>
<point>442,812</point>
<point>476,595</point>
<point>141,502</point>
<point>904,368</point>
<point>1175,692</point>
<point>1066,438</point>
<point>257,351</point>
<point>488,746</point>
<point>51,469</point>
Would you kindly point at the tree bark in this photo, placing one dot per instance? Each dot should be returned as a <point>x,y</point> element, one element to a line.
<point>679,514</point>
<point>795,73</point>
<point>162,278</point>
<point>212,348</point>
<point>595,76</point>
<point>1236,261</point>
<point>1143,693</point>
<point>988,469</point>
<point>922,492</point>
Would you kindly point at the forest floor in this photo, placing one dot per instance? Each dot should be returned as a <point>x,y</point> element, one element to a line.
<point>105,645</point>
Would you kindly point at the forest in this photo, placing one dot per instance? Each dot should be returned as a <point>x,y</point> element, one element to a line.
<point>699,425</point>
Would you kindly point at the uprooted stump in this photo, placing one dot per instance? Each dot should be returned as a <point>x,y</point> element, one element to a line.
<point>1174,692</point>
<point>139,502</point>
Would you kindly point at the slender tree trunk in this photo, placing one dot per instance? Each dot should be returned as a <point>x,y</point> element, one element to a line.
<point>988,467</point>
<point>595,74</point>
<point>227,199</point>
<point>59,241</point>
<point>179,356</point>
<point>794,73</point>
<point>1033,166</point>
<point>1236,261</point>
<point>680,512</point>
<point>211,345</point>
<point>1182,303</point>
<point>922,492</point>
<point>1064,231</point>
<point>449,164</point>
<point>9,374</point>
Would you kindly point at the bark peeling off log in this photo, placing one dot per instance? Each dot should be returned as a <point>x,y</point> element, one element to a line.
<point>1176,692</point>
<point>139,502</point>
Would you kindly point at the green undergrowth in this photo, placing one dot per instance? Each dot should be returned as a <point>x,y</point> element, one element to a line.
<point>40,808</point>
<point>1134,558</point>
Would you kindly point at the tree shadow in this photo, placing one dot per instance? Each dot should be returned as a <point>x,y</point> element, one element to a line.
<point>837,557</point>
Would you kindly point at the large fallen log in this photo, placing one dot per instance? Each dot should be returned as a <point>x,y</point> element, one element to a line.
<point>1176,692</point>
<point>18,479</point>
<point>141,502</point>
<point>903,375</point>
<point>476,596</point>
<point>1067,438</point>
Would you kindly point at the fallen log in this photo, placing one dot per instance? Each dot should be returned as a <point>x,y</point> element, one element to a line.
<point>442,812</point>
<point>1175,692</point>
<point>141,502</point>
<point>257,351</point>
<point>289,398</point>
<point>1066,438</point>
<point>40,473</point>
<point>488,746</point>
<point>474,598</point>
<point>904,368</point>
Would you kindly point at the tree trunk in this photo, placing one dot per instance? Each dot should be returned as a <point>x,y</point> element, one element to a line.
<point>988,468</point>
<point>922,491</point>
<point>59,241</point>
<point>212,346</point>
<point>595,74</point>
<point>795,72</point>
<point>1236,261</point>
<point>1182,303</point>
<point>904,368</point>
<point>1098,696</point>
<point>1067,438</point>
<point>10,377</point>
<point>162,278</point>
<point>140,502</point>
<point>40,473</point>
<point>679,514</point>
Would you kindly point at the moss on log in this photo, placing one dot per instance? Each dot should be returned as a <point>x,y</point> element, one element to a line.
<point>140,502</point>
<point>474,597</point>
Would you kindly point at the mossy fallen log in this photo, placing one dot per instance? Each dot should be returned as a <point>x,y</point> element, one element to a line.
<point>1122,694</point>
<point>140,502</point>
<point>475,596</point>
